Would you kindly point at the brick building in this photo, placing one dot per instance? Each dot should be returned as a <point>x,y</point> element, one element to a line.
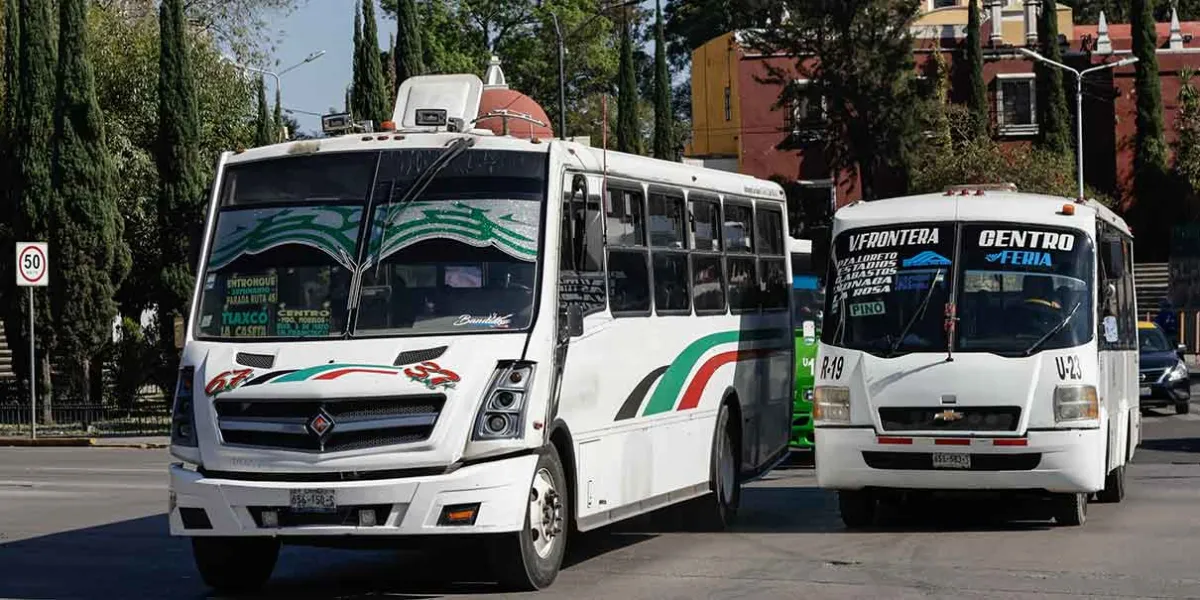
<point>735,125</point>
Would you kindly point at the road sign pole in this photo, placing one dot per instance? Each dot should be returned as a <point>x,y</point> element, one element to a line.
<point>32,371</point>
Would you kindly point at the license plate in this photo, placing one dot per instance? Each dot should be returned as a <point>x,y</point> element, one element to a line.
<point>951,460</point>
<point>314,500</point>
<point>1144,391</point>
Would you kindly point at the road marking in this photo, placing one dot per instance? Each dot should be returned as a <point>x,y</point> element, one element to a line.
<point>79,484</point>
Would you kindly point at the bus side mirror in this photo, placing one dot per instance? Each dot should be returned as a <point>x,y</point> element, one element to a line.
<point>1181,349</point>
<point>1113,258</point>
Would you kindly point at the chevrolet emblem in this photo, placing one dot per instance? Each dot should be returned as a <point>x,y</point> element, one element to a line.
<point>948,416</point>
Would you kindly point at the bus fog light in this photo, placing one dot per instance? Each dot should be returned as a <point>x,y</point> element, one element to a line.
<point>1076,403</point>
<point>497,424</point>
<point>831,404</point>
<point>270,519</point>
<point>366,517</point>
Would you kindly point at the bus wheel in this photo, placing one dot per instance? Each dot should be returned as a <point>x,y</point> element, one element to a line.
<point>530,560</point>
<point>235,564</point>
<point>858,508</point>
<point>1114,487</point>
<point>1070,510</point>
<point>1183,408</point>
<point>718,510</point>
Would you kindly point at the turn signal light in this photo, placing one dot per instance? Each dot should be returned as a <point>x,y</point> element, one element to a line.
<point>1068,209</point>
<point>459,514</point>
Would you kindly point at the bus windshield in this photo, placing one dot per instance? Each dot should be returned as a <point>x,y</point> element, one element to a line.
<point>1019,288</point>
<point>334,245</point>
<point>808,297</point>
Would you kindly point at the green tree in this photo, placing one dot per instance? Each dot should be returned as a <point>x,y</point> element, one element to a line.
<point>664,138</point>
<point>9,89</point>
<point>356,69</point>
<point>865,78</point>
<point>389,70</point>
<point>277,118</point>
<point>1054,120</point>
<point>181,189</point>
<point>628,135</point>
<point>692,23</point>
<point>262,122</point>
<point>409,58</point>
<point>1155,205</point>
<point>86,227</point>
<point>372,97</point>
<point>31,188</point>
<point>1187,143</point>
<point>977,99</point>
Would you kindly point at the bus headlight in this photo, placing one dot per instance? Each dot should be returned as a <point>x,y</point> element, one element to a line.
<point>183,412</point>
<point>1179,371</point>
<point>831,404</point>
<point>502,414</point>
<point>1075,403</point>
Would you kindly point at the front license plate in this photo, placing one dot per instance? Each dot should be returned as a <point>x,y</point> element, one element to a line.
<point>314,500</point>
<point>1145,391</point>
<point>951,460</point>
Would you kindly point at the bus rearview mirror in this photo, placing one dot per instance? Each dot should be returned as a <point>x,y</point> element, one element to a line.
<point>1113,258</point>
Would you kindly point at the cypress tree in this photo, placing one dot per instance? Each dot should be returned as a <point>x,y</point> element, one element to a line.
<point>32,188</point>
<point>389,70</point>
<point>408,53</point>
<point>8,197</point>
<point>375,94</point>
<point>627,95</point>
<point>1053,116</point>
<point>357,69</point>
<point>277,122</point>
<point>181,187</point>
<point>262,121</point>
<point>663,129</point>
<point>977,99</point>
<point>86,227</point>
<point>1150,158</point>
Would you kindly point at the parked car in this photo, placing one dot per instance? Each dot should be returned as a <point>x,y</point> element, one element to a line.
<point>1164,377</point>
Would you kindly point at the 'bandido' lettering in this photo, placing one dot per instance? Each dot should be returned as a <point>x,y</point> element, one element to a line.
<point>899,237</point>
<point>1038,240</point>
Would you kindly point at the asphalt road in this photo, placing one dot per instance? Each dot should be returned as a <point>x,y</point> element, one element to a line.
<point>88,523</point>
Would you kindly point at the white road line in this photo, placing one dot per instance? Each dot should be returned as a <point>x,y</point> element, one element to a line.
<point>9,485</point>
<point>31,469</point>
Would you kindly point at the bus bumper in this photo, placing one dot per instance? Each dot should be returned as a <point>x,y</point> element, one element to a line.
<point>1066,461</point>
<point>205,506</point>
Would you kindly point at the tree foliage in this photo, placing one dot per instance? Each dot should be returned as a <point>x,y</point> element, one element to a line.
<point>977,95</point>
<point>628,136</point>
<point>1187,143</point>
<point>409,58</point>
<point>865,76</point>
<point>181,187</point>
<point>370,91</point>
<point>86,227</point>
<point>262,119</point>
<point>692,23</point>
<point>664,137</point>
<point>1053,118</point>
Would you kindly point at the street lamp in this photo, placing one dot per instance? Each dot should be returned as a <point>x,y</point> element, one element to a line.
<point>562,52</point>
<point>278,85</point>
<point>1078,100</point>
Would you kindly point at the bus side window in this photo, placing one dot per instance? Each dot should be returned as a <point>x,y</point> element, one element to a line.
<point>740,263</point>
<point>628,258</point>
<point>581,261</point>
<point>1128,313</point>
<point>771,265</point>
<point>669,239</point>
<point>708,272</point>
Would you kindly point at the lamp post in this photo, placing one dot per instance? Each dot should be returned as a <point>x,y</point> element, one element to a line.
<point>562,53</point>
<point>274,75</point>
<point>1079,75</point>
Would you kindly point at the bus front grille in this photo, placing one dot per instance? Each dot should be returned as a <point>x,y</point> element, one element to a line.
<point>973,418</point>
<point>328,425</point>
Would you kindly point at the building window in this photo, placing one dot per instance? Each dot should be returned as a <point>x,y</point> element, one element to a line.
<point>728,104</point>
<point>803,111</point>
<point>1016,104</point>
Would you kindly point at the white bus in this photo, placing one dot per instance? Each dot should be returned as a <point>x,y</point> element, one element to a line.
<point>978,340</point>
<point>426,333</point>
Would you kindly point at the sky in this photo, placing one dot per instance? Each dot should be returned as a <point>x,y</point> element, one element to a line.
<point>321,85</point>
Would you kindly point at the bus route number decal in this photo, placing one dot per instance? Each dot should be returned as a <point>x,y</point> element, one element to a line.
<point>832,368</point>
<point>1068,367</point>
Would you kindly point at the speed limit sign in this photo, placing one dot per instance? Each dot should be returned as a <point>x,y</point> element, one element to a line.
<point>32,264</point>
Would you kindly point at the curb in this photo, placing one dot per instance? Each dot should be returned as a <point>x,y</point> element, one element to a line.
<point>73,442</point>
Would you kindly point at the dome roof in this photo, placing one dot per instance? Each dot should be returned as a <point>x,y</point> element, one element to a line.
<point>500,107</point>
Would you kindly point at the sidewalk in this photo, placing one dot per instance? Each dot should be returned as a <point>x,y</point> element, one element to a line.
<point>152,442</point>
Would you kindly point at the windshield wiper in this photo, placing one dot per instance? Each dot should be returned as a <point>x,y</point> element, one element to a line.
<point>917,315</point>
<point>1057,328</point>
<point>422,182</point>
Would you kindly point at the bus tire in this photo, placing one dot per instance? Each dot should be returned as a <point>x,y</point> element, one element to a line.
<point>1183,408</point>
<point>1114,487</point>
<point>235,564</point>
<point>858,508</point>
<point>718,510</point>
<point>1070,510</point>
<point>530,559</point>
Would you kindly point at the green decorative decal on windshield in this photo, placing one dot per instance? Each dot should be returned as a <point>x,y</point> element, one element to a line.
<point>508,225</point>
<point>330,229</point>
